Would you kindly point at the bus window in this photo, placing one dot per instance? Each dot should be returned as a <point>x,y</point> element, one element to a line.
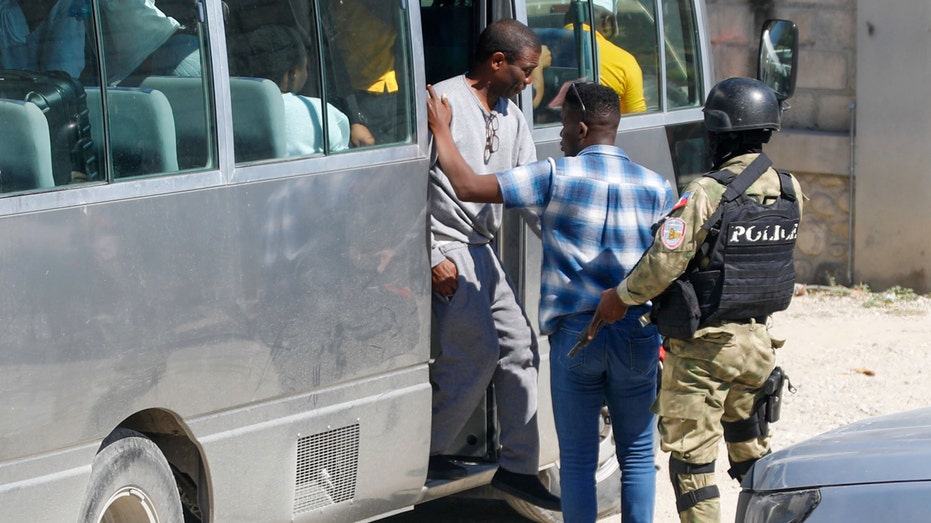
<point>367,68</point>
<point>564,29</point>
<point>273,116</point>
<point>45,123</point>
<point>636,22</point>
<point>449,31</point>
<point>683,56</point>
<point>154,96</point>
<point>570,52</point>
<point>96,78</point>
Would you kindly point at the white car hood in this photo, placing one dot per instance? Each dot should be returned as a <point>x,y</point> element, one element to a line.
<point>891,448</point>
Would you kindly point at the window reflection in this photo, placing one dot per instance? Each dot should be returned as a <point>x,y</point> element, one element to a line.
<point>271,118</point>
<point>683,59</point>
<point>98,123</point>
<point>637,33</point>
<point>564,28</point>
<point>340,69</point>
<point>366,63</point>
<point>156,99</point>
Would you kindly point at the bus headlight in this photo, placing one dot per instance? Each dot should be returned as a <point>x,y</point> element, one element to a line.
<point>777,507</point>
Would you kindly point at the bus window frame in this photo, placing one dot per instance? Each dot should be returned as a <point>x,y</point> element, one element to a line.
<point>353,158</point>
<point>226,171</point>
<point>547,137</point>
<point>701,89</point>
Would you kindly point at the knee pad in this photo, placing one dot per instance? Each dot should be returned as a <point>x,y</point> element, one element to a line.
<point>687,500</point>
<point>739,469</point>
<point>745,429</point>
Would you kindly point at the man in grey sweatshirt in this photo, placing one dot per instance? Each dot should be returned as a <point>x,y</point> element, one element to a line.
<point>485,336</point>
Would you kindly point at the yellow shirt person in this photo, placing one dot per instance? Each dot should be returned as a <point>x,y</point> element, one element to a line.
<point>620,71</point>
<point>366,43</point>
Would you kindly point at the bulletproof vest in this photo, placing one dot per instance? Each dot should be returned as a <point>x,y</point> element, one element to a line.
<point>749,246</point>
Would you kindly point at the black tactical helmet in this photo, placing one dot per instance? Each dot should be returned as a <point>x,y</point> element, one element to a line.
<point>741,104</point>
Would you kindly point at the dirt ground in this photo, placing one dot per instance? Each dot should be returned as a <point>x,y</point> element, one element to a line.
<point>851,354</point>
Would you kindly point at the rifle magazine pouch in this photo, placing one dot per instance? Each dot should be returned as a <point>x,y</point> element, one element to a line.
<point>676,312</point>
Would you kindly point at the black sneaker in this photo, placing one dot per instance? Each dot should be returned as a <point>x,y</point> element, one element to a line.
<point>526,487</point>
<point>442,467</point>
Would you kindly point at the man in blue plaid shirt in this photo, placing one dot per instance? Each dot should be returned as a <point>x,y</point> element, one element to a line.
<point>596,209</point>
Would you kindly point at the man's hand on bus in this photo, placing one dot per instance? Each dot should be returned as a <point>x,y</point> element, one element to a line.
<point>610,309</point>
<point>439,113</point>
<point>469,186</point>
<point>360,136</point>
<point>445,278</point>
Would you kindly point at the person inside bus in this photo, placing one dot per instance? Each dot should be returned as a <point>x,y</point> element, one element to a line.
<point>617,68</point>
<point>484,334</point>
<point>539,83</point>
<point>138,39</point>
<point>277,52</point>
<point>141,40</point>
<point>597,208</point>
<point>41,35</point>
<point>362,36</point>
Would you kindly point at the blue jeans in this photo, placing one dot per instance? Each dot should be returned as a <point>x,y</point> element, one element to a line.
<point>618,368</point>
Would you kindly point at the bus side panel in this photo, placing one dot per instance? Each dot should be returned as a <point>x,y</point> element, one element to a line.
<point>203,301</point>
<point>339,454</point>
<point>46,488</point>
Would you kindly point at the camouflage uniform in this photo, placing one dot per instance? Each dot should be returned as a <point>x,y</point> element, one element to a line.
<point>716,375</point>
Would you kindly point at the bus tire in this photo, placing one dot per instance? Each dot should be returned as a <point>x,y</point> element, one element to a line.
<point>131,482</point>
<point>607,482</point>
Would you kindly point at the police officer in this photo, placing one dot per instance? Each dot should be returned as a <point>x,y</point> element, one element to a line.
<point>719,355</point>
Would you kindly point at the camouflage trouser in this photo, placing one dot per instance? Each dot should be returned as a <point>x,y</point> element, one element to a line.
<point>711,378</point>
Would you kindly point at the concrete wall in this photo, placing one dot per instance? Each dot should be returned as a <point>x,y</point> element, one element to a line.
<point>815,143</point>
<point>827,62</point>
<point>893,135</point>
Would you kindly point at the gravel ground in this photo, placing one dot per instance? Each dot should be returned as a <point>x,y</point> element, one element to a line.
<point>852,355</point>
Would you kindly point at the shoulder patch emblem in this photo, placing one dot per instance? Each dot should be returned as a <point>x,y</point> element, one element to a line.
<point>673,233</point>
<point>682,201</point>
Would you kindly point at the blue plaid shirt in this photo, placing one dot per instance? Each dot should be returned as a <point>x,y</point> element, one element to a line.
<point>596,210</point>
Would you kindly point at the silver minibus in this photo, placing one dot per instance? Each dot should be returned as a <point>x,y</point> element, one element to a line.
<point>214,269</point>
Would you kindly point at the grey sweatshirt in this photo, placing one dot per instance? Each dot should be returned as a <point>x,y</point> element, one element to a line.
<point>474,223</point>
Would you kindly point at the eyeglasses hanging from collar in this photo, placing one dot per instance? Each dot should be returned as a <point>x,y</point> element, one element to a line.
<point>491,135</point>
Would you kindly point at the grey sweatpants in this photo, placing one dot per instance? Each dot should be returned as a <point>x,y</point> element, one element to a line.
<point>485,337</point>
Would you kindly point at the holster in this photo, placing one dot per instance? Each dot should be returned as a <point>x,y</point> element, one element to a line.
<point>772,394</point>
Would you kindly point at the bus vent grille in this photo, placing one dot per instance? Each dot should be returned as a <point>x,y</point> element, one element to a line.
<point>327,464</point>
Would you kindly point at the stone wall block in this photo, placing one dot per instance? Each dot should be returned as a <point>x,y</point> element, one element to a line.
<point>821,204</point>
<point>732,61</point>
<point>803,113</point>
<point>811,239</point>
<point>834,112</point>
<point>731,27</point>
<point>836,29</point>
<point>824,235</point>
<point>822,70</point>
